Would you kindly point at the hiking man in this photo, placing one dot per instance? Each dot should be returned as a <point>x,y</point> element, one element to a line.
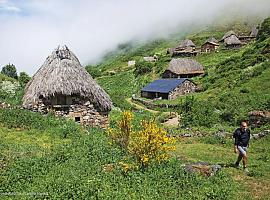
<point>241,143</point>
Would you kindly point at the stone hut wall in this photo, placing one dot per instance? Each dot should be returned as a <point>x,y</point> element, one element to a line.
<point>84,113</point>
<point>184,88</point>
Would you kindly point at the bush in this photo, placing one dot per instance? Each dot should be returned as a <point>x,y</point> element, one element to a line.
<point>143,67</point>
<point>197,113</point>
<point>264,30</point>
<point>149,145</point>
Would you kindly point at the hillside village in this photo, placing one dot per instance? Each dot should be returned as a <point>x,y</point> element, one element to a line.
<point>207,88</point>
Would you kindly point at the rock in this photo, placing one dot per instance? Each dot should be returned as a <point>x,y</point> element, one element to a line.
<point>202,168</point>
<point>221,134</point>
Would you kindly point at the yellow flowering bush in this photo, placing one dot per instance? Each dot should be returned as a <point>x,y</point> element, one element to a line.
<point>121,135</point>
<point>150,144</point>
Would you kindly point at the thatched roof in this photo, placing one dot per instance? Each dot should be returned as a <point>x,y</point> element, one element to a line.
<point>213,41</point>
<point>228,34</point>
<point>186,43</point>
<point>62,74</point>
<point>185,66</point>
<point>232,40</point>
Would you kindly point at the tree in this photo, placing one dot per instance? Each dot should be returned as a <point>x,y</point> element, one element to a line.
<point>24,78</point>
<point>143,67</point>
<point>10,71</point>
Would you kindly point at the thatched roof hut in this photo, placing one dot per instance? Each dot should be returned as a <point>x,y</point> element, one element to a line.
<point>228,34</point>
<point>62,74</point>
<point>232,40</point>
<point>210,45</point>
<point>186,43</point>
<point>213,41</point>
<point>183,68</point>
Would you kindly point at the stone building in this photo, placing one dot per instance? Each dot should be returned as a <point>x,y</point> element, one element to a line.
<point>210,45</point>
<point>168,88</point>
<point>62,86</point>
<point>183,68</point>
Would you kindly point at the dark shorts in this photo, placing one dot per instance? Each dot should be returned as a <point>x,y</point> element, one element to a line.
<point>242,150</point>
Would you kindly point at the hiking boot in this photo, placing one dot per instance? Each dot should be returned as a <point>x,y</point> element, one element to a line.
<point>237,165</point>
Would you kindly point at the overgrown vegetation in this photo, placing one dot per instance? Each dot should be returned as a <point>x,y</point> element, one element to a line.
<point>149,144</point>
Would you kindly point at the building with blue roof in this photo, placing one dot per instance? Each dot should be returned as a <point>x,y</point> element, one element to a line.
<point>168,88</point>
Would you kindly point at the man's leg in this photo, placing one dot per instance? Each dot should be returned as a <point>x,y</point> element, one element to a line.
<point>238,159</point>
<point>245,157</point>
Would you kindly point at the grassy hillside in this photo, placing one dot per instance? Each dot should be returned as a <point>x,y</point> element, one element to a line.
<point>233,77</point>
<point>54,158</point>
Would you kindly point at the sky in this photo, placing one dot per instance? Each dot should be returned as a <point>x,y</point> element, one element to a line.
<point>32,29</point>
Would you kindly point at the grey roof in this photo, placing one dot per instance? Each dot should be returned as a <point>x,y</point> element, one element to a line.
<point>232,40</point>
<point>185,66</point>
<point>228,34</point>
<point>163,85</point>
<point>212,40</point>
<point>186,43</point>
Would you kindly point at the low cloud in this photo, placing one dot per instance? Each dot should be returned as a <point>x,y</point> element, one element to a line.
<point>31,29</point>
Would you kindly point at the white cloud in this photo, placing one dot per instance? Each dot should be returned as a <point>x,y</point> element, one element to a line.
<point>6,6</point>
<point>89,28</point>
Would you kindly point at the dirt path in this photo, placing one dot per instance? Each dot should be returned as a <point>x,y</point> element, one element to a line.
<point>172,122</point>
<point>140,106</point>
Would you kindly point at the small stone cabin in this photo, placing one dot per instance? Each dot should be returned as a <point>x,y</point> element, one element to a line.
<point>210,45</point>
<point>183,68</point>
<point>63,87</point>
<point>168,88</point>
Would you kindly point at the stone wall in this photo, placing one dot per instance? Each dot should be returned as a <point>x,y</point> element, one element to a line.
<point>84,113</point>
<point>258,118</point>
<point>184,88</point>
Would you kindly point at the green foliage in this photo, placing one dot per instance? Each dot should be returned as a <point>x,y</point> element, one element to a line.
<point>194,112</point>
<point>24,78</point>
<point>24,119</point>
<point>143,67</point>
<point>119,87</point>
<point>93,71</point>
<point>264,30</point>
<point>10,71</point>
<point>77,169</point>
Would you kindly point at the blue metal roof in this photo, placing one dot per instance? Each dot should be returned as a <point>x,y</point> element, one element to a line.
<point>163,85</point>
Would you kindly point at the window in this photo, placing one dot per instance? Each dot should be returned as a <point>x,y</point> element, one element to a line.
<point>78,119</point>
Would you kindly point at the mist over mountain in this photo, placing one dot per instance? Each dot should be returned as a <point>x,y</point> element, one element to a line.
<point>31,30</point>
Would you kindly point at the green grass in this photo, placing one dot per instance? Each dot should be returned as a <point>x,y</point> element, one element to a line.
<point>257,181</point>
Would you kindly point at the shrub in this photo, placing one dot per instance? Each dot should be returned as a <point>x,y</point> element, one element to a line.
<point>148,145</point>
<point>142,67</point>
<point>264,30</point>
